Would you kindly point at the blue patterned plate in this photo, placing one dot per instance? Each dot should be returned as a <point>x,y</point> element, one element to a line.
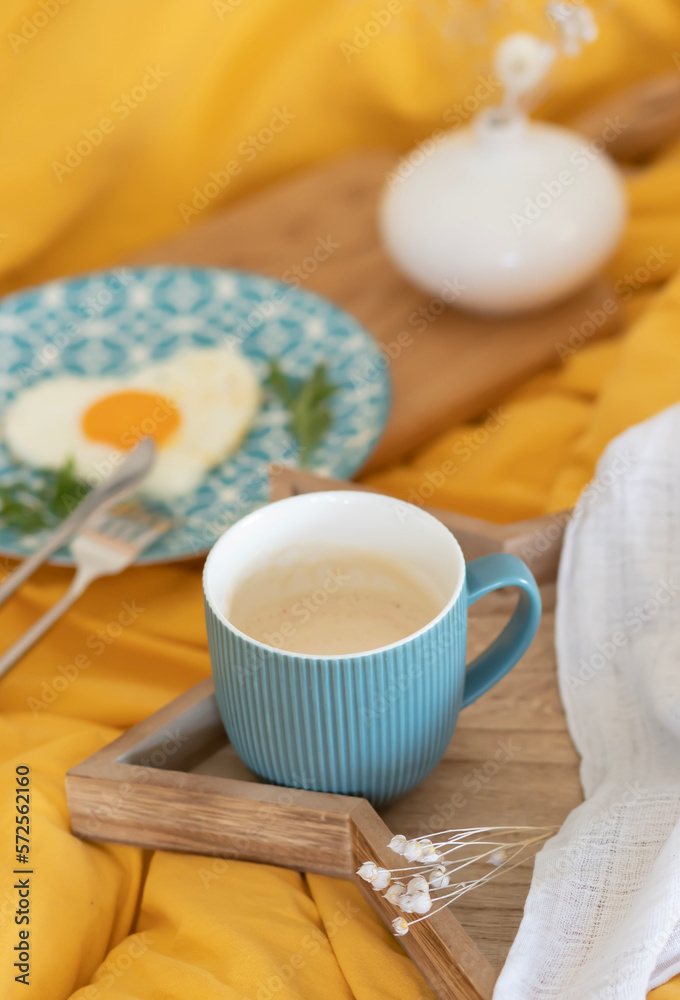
<point>113,322</point>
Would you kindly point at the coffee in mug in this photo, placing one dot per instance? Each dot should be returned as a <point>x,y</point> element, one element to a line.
<point>363,712</point>
<point>330,600</point>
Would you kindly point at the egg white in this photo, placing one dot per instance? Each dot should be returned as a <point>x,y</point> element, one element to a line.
<point>215,391</point>
<point>42,425</point>
<point>217,394</point>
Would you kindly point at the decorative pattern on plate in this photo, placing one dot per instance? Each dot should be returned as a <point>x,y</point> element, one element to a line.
<point>112,322</point>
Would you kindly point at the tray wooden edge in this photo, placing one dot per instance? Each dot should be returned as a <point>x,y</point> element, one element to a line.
<point>115,796</point>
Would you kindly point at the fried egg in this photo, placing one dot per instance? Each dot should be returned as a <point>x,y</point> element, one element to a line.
<point>196,406</point>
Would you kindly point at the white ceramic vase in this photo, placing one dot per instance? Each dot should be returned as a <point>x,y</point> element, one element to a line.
<point>505,215</point>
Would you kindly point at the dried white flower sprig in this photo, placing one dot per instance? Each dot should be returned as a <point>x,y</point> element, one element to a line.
<point>522,60</point>
<point>576,25</point>
<point>437,860</point>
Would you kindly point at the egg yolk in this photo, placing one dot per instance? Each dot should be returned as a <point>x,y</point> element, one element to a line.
<point>123,418</point>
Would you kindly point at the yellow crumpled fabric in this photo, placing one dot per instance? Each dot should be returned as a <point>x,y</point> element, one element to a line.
<point>121,124</point>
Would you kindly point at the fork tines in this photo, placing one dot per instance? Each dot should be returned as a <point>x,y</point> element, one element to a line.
<point>128,523</point>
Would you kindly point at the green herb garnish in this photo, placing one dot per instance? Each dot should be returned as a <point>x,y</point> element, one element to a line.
<point>30,506</point>
<point>308,405</point>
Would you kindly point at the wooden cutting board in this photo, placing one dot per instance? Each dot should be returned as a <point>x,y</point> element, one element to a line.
<point>444,370</point>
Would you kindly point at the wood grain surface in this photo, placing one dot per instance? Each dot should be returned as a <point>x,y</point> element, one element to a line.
<point>450,369</point>
<point>638,121</point>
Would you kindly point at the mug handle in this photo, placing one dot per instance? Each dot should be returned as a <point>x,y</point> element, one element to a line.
<point>483,575</point>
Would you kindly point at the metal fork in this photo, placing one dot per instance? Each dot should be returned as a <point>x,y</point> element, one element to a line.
<point>110,542</point>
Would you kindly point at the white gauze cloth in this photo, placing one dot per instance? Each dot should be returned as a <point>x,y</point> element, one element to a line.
<point>602,919</point>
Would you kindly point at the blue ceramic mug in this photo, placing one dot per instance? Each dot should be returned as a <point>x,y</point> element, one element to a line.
<point>372,723</point>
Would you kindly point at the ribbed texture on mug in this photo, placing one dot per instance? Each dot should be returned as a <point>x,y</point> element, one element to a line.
<point>372,725</point>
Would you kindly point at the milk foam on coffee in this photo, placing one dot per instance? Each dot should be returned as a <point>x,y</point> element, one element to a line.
<point>332,600</point>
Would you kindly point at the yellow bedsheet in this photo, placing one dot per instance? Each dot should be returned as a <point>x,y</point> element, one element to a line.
<point>121,123</point>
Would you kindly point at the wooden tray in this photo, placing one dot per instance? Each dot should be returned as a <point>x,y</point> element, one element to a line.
<point>174,783</point>
<point>446,370</point>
